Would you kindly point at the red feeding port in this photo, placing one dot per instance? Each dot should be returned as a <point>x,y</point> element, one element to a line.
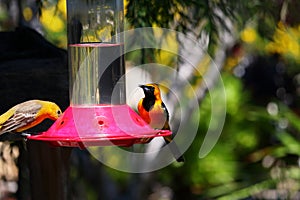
<point>99,125</point>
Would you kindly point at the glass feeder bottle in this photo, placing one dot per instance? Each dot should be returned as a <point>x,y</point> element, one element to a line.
<point>96,48</point>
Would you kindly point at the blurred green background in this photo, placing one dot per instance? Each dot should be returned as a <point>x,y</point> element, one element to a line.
<point>256,44</point>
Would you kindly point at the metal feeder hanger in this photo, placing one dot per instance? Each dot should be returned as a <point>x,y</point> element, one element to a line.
<point>98,114</point>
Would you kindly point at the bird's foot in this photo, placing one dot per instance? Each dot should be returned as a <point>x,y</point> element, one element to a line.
<point>26,134</point>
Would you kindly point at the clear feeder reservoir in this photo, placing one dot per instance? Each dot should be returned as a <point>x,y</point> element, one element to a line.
<point>96,49</point>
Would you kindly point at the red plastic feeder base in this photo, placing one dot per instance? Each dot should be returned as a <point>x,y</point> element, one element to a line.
<point>99,125</point>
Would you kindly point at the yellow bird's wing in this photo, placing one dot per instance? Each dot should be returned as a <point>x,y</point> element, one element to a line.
<point>23,114</point>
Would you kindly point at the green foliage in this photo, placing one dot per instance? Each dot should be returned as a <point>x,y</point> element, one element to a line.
<point>212,17</point>
<point>257,153</point>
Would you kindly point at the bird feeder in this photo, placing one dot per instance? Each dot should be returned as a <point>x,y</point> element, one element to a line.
<point>98,114</point>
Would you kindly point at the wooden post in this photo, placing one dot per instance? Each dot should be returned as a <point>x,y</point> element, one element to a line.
<point>49,171</point>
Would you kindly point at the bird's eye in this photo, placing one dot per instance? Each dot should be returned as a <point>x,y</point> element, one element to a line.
<point>58,112</point>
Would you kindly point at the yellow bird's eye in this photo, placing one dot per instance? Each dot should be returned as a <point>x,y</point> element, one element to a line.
<point>58,112</point>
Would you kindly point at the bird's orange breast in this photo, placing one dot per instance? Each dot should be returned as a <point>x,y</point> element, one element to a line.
<point>156,117</point>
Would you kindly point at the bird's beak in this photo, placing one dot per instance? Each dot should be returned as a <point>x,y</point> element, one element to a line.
<point>144,87</point>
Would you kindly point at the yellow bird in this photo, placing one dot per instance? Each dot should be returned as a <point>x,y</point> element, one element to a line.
<point>27,115</point>
<point>153,111</point>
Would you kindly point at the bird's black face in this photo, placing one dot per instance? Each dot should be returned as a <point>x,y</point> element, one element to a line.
<point>148,90</point>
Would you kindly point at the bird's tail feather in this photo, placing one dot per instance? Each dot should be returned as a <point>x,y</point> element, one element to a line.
<point>174,149</point>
